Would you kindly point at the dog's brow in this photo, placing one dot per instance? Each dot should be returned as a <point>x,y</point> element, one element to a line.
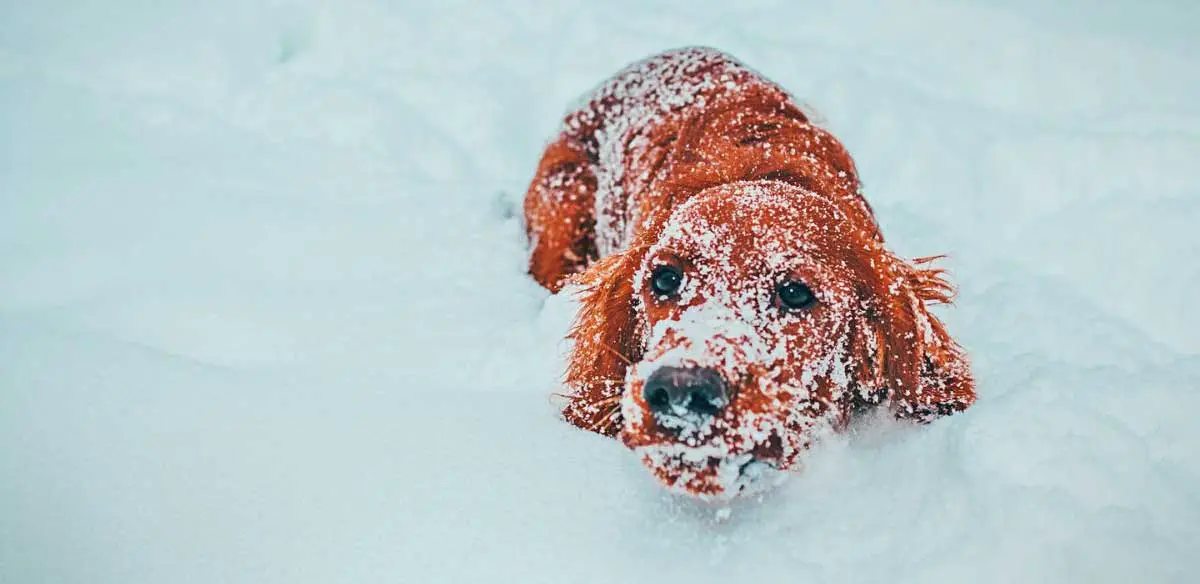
<point>670,251</point>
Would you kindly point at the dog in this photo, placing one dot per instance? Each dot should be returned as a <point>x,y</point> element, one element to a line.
<point>737,301</point>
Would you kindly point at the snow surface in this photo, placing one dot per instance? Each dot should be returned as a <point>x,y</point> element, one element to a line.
<point>263,315</point>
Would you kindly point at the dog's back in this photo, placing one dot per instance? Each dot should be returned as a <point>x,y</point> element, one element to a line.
<point>659,131</point>
<point>629,123</point>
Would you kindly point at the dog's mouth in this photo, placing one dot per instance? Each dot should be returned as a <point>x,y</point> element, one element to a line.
<point>754,470</point>
<point>709,475</point>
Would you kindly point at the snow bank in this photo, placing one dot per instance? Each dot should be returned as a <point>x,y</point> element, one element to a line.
<point>263,315</point>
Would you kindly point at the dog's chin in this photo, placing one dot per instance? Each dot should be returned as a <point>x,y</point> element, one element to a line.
<point>707,474</point>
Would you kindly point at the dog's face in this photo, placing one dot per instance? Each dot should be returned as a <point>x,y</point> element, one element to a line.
<point>754,318</point>
<point>747,304</point>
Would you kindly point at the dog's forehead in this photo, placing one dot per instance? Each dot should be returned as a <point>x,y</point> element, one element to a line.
<point>762,221</point>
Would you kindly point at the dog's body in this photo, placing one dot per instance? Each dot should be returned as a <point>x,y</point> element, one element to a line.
<point>736,294</point>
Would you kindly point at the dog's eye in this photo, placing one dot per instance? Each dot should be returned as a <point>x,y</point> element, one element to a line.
<point>795,295</point>
<point>665,280</point>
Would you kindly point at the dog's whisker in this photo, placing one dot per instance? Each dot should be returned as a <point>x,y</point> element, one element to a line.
<point>618,354</point>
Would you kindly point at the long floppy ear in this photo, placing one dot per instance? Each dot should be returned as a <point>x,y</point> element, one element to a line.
<point>606,342</point>
<point>912,359</point>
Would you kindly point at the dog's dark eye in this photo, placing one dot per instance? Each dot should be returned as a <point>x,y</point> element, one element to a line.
<point>665,280</point>
<point>795,295</point>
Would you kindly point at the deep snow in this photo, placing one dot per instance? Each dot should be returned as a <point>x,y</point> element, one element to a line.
<point>263,314</point>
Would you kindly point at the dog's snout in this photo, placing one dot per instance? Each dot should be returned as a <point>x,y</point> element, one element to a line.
<point>686,389</point>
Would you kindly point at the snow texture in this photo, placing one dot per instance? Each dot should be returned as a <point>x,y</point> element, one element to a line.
<point>264,316</point>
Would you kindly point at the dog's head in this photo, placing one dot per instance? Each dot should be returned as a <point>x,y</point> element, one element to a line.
<point>759,317</point>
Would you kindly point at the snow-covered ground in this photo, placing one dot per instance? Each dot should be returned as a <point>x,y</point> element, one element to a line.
<point>263,314</point>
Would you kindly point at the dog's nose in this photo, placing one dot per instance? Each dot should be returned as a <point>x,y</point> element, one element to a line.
<point>685,389</point>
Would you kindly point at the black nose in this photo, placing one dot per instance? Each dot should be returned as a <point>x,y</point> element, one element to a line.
<point>691,389</point>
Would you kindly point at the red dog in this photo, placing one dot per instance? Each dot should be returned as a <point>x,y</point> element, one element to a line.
<point>737,297</point>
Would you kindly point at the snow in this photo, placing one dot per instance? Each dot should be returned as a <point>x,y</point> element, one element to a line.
<point>263,314</point>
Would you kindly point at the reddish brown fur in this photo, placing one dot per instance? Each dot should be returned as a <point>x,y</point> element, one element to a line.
<point>743,128</point>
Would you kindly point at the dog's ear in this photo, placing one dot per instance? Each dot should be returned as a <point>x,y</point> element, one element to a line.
<point>606,342</point>
<point>904,351</point>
